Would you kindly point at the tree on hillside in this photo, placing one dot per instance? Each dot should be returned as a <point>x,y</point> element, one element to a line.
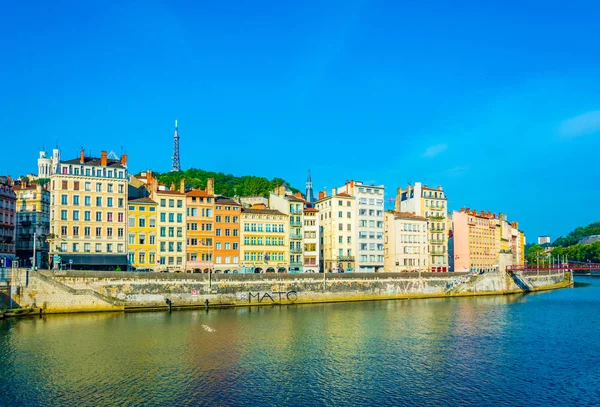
<point>573,237</point>
<point>225,184</point>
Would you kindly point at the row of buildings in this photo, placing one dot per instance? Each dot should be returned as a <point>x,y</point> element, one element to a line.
<point>90,213</point>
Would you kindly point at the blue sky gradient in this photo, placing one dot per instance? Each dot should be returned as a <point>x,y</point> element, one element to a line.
<point>497,102</point>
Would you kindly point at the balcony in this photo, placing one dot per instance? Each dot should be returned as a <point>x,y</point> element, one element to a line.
<point>438,241</point>
<point>295,223</point>
<point>436,217</point>
<point>345,258</point>
<point>25,223</point>
<point>296,250</point>
<point>295,236</point>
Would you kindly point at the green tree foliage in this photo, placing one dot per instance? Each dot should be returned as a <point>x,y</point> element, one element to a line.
<point>573,237</point>
<point>579,252</point>
<point>536,254</point>
<point>225,184</point>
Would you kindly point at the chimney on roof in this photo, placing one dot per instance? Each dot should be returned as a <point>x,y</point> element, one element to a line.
<point>299,195</point>
<point>103,160</point>
<point>259,206</point>
<point>172,187</point>
<point>124,160</point>
<point>333,192</point>
<point>210,186</point>
<point>322,194</point>
<point>182,186</point>
<point>81,156</point>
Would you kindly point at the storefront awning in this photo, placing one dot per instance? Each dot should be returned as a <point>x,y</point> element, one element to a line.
<point>95,259</point>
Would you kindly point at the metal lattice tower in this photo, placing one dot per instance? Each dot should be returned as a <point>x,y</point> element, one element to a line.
<point>176,166</point>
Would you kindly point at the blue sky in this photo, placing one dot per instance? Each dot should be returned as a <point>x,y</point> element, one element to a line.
<point>498,102</point>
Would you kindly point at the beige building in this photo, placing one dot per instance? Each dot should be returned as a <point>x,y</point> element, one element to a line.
<point>87,213</point>
<point>33,224</point>
<point>485,241</point>
<point>338,231</point>
<point>406,242</point>
<point>432,204</point>
<point>264,240</point>
<point>293,206</point>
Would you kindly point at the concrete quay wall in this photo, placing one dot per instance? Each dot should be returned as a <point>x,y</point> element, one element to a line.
<point>111,291</point>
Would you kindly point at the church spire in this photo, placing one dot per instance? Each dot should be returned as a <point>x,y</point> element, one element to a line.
<point>309,189</point>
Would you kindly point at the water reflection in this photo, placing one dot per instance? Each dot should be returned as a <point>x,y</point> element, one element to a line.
<point>461,351</point>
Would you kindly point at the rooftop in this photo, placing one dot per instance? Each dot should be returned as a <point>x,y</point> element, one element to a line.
<point>167,192</point>
<point>198,192</point>
<point>142,201</point>
<point>407,215</point>
<point>262,211</point>
<point>94,161</point>
<point>226,200</point>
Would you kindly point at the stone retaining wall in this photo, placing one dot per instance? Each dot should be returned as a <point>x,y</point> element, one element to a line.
<point>108,291</point>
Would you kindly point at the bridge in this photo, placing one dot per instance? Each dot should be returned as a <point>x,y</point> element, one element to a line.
<point>566,266</point>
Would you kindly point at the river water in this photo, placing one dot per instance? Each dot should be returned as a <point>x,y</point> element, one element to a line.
<point>538,349</point>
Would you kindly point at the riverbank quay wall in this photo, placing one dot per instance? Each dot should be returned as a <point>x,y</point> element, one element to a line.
<point>81,291</point>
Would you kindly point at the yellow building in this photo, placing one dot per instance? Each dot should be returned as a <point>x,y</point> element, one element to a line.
<point>87,213</point>
<point>142,233</point>
<point>264,239</point>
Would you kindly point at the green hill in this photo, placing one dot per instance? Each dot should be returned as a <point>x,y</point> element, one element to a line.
<point>225,184</point>
<point>573,237</point>
<point>567,247</point>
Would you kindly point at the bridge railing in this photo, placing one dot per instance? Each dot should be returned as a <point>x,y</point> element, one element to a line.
<point>557,267</point>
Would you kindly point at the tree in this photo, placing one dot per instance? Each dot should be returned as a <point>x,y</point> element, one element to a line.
<point>573,237</point>
<point>225,184</point>
<point>536,254</point>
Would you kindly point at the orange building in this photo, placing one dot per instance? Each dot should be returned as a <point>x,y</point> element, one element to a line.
<point>201,229</point>
<point>227,234</point>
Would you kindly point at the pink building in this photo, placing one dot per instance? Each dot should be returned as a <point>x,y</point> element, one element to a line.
<point>8,218</point>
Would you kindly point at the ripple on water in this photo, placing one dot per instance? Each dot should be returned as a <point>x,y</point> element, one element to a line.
<point>457,352</point>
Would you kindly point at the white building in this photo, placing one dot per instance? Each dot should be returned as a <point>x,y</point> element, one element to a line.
<point>369,221</point>
<point>48,166</point>
<point>406,242</point>
<point>543,239</point>
<point>337,231</point>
